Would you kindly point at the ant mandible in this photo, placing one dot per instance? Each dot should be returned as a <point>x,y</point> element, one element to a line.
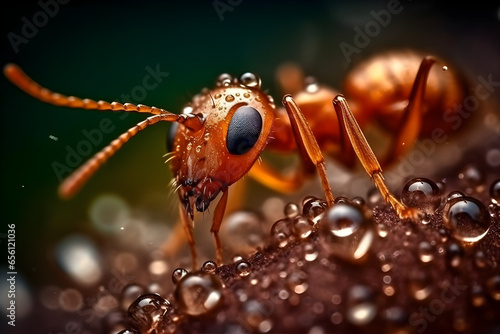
<point>221,134</point>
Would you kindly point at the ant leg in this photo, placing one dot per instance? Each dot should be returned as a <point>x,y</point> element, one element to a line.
<point>216,222</point>
<point>307,144</point>
<point>411,120</point>
<point>187,223</point>
<point>367,157</point>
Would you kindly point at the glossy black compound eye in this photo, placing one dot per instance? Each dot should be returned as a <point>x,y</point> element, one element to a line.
<point>244,130</point>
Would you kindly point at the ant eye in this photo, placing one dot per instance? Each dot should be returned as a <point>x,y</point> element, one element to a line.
<point>250,80</point>
<point>244,130</point>
<point>170,137</point>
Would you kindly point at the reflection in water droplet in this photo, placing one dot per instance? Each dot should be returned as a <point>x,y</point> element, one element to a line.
<point>313,208</point>
<point>493,286</point>
<point>250,80</point>
<point>281,232</point>
<point>480,259</point>
<point>453,195</point>
<point>224,79</point>
<point>343,219</point>
<point>128,331</point>
<point>229,98</point>
<point>130,293</point>
<point>209,267</point>
<point>310,252</point>
<point>256,313</point>
<point>243,269</point>
<point>425,252</point>
<point>146,312</point>
<point>291,210</point>
<point>478,296</point>
<point>466,218</point>
<point>79,258</point>
<point>454,255</point>
<point>177,274</point>
<point>361,308</point>
<point>471,176</point>
<point>421,193</point>
<point>301,227</point>
<point>382,230</point>
<point>244,232</point>
<point>495,192</point>
<point>419,284</point>
<point>346,232</point>
<point>198,293</point>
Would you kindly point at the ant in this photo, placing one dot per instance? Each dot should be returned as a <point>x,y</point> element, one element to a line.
<point>219,136</point>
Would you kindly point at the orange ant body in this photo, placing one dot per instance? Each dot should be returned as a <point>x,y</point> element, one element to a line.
<point>221,134</point>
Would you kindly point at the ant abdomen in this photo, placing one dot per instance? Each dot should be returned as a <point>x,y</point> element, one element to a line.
<point>381,85</point>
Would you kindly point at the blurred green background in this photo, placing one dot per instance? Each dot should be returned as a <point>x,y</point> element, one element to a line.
<point>100,49</point>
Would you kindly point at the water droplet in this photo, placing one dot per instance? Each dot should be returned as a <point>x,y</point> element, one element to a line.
<point>466,218</point>
<point>297,281</point>
<point>311,85</point>
<point>218,96</point>
<point>207,136</point>
<point>313,208</point>
<point>346,231</point>
<point>343,219</point>
<point>419,284</point>
<point>310,252</point>
<point>244,232</point>
<point>291,210</point>
<point>198,149</point>
<point>281,232</point>
<point>71,300</point>
<point>301,227</point>
<point>382,230</point>
<point>250,80</point>
<point>198,293</point>
<point>454,194</point>
<point>178,274</point>
<point>445,68</point>
<point>224,80</point>
<point>130,293</point>
<point>243,269</point>
<point>493,286</point>
<point>480,259</point>
<point>360,201</point>
<point>146,312</point>
<point>421,193</point>
<point>246,95</point>
<point>128,331</point>
<point>189,146</point>
<point>255,313</point>
<point>79,258</point>
<point>109,213</point>
<point>425,252</point>
<point>209,267</point>
<point>495,192</point>
<point>229,98</point>
<point>471,176</point>
<point>361,309</point>
<point>336,318</point>
<point>454,255</point>
<point>478,296</point>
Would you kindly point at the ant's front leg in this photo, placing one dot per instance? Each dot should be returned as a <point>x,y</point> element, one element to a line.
<point>367,157</point>
<point>306,142</point>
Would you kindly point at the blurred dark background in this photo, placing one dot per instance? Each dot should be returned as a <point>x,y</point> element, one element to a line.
<point>100,50</point>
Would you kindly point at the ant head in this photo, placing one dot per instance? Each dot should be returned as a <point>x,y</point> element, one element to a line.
<point>237,117</point>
